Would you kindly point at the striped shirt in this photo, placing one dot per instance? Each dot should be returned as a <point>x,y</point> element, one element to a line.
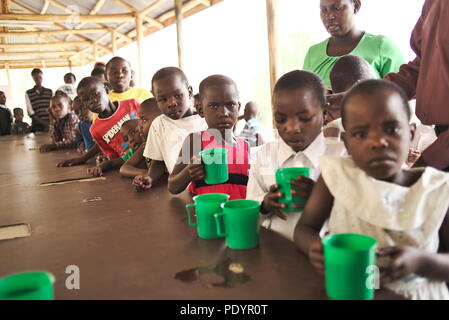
<point>38,102</point>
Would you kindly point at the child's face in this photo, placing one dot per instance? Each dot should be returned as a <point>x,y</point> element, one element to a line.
<point>220,106</point>
<point>337,16</point>
<point>2,98</point>
<point>69,79</point>
<point>146,119</point>
<point>250,112</point>
<point>173,98</point>
<point>59,107</point>
<point>378,134</point>
<point>132,135</point>
<point>94,97</point>
<point>18,115</point>
<point>119,75</point>
<point>298,116</point>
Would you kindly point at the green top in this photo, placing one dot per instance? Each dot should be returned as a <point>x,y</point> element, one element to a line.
<point>128,155</point>
<point>380,52</point>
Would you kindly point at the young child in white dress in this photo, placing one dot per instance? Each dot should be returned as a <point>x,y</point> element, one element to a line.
<point>369,193</point>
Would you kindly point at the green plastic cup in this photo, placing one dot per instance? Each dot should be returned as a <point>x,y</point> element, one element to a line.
<point>216,165</point>
<point>206,205</point>
<point>283,179</point>
<point>27,286</point>
<point>348,264</point>
<point>239,223</point>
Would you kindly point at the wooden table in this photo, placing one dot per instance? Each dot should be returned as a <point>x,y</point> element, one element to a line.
<point>131,245</point>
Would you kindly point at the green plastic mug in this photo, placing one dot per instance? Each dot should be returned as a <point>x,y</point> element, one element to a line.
<point>348,262</point>
<point>239,223</point>
<point>216,165</point>
<point>27,286</point>
<point>283,179</point>
<point>206,205</point>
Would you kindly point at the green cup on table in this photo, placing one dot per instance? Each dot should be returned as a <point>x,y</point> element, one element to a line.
<point>283,179</point>
<point>350,266</point>
<point>206,205</point>
<point>239,223</point>
<point>216,165</point>
<point>27,286</point>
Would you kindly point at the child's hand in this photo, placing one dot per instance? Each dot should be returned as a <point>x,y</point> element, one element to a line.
<point>306,186</point>
<point>142,183</point>
<point>71,162</point>
<point>413,156</point>
<point>47,148</point>
<point>196,169</point>
<point>95,171</point>
<point>404,261</point>
<point>333,103</point>
<point>81,148</point>
<point>316,255</point>
<point>271,202</point>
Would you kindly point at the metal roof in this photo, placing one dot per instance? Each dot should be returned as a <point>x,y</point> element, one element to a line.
<point>61,33</point>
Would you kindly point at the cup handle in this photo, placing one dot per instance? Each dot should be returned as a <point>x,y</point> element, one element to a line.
<point>220,231</point>
<point>191,224</point>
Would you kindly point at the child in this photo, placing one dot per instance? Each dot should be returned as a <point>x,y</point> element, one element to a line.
<point>85,123</point>
<point>118,73</point>
<point>5,116</point>
<point>69,85</point>
<point>63,125</point>
<point>137,164</point>
<point>369,193</point>
<point>19,127</point>
<point>347,72</point>
<point>105,130</point>
<point>219,99</point>
<point>168,131</point>
<point>298,112</point>
<point>131,134</point>
<point>251,132</point>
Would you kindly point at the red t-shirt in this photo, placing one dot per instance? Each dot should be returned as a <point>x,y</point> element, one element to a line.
<point>106,132</point>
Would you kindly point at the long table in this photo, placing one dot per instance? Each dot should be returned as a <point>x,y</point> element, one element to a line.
<point>129,245</point>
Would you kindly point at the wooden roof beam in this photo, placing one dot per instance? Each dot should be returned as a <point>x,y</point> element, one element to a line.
<point>44,45</point>
<point>106,18</point>
<point>94,10</point>
<point>37,53</point>
<point>151,7</point>
<point>45,7</point>
<point>52,32</point>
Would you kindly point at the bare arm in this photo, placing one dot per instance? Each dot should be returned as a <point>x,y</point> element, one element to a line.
<point>156,171</point>
<point>316,212</point>
<point>131,167</point>
<point>81,160</point>
<point>188,167</point>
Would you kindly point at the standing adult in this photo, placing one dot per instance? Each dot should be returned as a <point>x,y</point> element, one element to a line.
<point>427,78</point>
<point>37,100</point>
<point>339,19</point>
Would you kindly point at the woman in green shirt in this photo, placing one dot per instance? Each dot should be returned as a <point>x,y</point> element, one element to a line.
<point>338,17</point>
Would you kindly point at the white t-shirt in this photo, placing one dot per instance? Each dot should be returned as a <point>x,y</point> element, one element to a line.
<point>277,155</point>
<point>166,137</point>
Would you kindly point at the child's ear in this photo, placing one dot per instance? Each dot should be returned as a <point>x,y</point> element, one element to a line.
<point>343,138</point>
<point>412,131</point>
<point>106,87</point>
<point>199,109</point>
<point>190,92</point>
<point>357,6</point>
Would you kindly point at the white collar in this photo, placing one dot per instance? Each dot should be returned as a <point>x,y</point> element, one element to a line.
<point>313,152</point>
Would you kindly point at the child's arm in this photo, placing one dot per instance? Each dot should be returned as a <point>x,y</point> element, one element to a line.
<point>130,168</point>
<point>81,160</point>
<point>188,167</point>
<point>105,166</point>
<point>316,212</point>
<point>407,260</point>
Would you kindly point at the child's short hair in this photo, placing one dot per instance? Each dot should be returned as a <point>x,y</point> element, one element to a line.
<point>150,107</point>
<point>96,72</point>
<point>168,71</point>
<point>36,71</point>
<point>299,79</point>
<point>69,75</point>
<point>87,81</point>
<point>372,87</point>
<point>217,79</point>
<point>62,94</point>
<point>347,71</point>
<point>133,123</point>
<point>116,58</point>
<point>17,110</point>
